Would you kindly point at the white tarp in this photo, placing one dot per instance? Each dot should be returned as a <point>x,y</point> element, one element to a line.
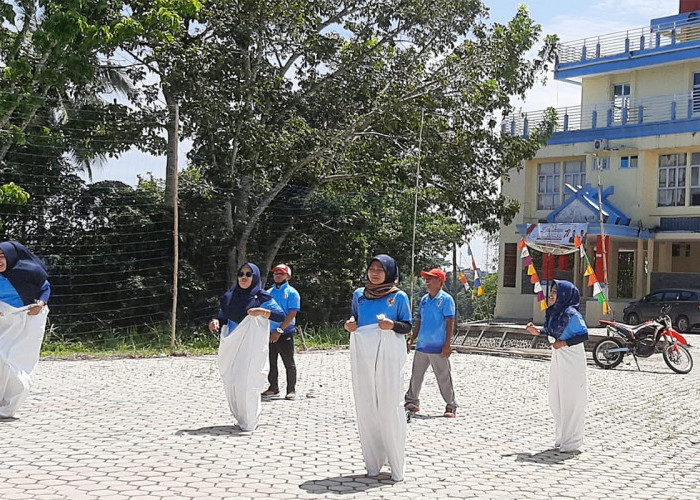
<point>244,364</point>
<point>568,395</point>
<point>21,336</point>
<point>377,358</point>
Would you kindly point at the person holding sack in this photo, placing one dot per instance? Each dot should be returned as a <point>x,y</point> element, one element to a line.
<point>381,316</point>
<point>568,385</point>
<point>24,292</point>
<point>244,322</point>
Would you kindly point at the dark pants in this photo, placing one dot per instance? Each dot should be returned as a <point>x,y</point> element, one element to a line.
<point>285,348</point>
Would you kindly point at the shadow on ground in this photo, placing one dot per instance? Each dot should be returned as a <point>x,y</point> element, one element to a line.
<point>346,485</point>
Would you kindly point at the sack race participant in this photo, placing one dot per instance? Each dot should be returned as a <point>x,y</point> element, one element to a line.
<point>246,310</point>
<point>568,385</point>
<point>24,292</point>
<point>381,317</point>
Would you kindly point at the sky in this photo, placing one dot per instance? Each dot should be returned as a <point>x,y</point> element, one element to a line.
<point>569,19</point>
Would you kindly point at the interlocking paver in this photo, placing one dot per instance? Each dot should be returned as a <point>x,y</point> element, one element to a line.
<point>161,428</point>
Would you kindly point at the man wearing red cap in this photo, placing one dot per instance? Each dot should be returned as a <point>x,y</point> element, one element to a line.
<point>282,334</point>
<point>434,326</point>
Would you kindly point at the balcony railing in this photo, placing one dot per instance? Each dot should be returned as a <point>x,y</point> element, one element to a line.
<point>625,42</point>
<point>621,112</point>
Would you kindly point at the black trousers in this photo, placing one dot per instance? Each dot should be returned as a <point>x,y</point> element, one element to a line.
<point>285,348</point>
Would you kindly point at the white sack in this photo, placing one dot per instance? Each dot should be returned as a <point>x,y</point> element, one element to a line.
<point>377,358</point>
<point>244,363</point>
<point>568,395</point>
<point>21,336</point>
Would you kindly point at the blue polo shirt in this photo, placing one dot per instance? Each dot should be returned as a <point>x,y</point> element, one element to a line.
<point>394,306</point>
<point>290,300</point>
<point>433,313</point>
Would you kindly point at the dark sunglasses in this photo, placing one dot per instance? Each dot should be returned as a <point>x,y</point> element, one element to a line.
<point>247,274</point>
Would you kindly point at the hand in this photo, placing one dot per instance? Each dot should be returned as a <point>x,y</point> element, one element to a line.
<point>386,324</point>
<point>532,329</point>
<point>34,310</point>
<point>274,337</point>
<point>409,344</point>
<point>446,350</point>
<point>351,326</point>
<point>559,344</point>
<point>258,311</point>
<point>214,325</point>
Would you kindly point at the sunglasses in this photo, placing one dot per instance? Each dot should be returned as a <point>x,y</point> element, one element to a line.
<point>247,274</point>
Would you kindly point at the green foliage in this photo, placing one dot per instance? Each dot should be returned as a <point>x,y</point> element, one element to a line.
<point>12,194</point>
<point>474,307</point>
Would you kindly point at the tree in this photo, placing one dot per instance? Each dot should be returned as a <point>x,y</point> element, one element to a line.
<point>321,93</point>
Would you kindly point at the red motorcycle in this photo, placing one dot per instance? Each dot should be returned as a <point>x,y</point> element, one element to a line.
<point>641,342</point>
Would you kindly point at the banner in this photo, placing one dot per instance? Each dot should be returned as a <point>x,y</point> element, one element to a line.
<point>556,238</point>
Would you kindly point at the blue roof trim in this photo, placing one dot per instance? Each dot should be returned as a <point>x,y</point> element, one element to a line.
<point>588,196</point>
<point>626,61</point>
<point>626,131</point>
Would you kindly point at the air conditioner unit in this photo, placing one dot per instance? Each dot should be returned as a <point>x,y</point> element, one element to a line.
<point>600,144</point>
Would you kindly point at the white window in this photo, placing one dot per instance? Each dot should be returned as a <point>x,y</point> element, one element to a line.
<point>694,195</point>
<point>629,161</point>
<point>671,181</point>
<point>601,162</point>
<point>621,100</point>
<point>548,186</point>
<point>575,173</point>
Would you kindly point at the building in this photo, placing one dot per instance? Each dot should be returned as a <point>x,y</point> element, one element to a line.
<point>636,132</point>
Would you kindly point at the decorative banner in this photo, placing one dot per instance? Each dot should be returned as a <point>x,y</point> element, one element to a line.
<point>556,239</point>
<point>532,272</point>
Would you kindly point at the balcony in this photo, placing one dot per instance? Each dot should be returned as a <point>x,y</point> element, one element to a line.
<point>618,119</point>
<point>666,40</point>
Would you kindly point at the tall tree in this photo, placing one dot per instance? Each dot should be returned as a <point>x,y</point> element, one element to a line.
<point>315,91</point>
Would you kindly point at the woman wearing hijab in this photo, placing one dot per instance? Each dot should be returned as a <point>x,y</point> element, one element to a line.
<point>567,333</point>
<point>246,311</point>
<point>24,292</point>
<point>381,315</point>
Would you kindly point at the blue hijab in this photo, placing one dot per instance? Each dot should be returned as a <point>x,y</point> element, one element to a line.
<point>391,278</point>
<point>236,302</point>
<point>557,317</point>
<point>25,272</point>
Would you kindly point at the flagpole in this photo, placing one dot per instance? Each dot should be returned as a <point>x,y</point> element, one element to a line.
<point>603,252</point>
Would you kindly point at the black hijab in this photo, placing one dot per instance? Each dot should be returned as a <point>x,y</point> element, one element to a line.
<point>391,278</point>
<point>25,272</point>
<point>236,302</point>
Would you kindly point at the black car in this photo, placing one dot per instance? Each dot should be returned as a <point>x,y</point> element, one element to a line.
<point>684,308</point>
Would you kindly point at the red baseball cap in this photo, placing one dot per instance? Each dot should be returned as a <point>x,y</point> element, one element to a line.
<point>283,268</point>
<point>435,273</point>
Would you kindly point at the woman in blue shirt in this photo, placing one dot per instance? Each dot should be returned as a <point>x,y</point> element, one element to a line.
<point>23,284</point>
<point>246,311</point>
<point>381,315</point>
<point>568,384</point>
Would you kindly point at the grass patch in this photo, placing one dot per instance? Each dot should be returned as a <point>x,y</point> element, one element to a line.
<point>155,341</point>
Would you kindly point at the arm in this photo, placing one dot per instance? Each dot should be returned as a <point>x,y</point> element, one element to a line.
<point>269,310</point>
<point>43,299</point>
<point>351,324</point>
<point>414,335</point>
<point>275,336</point>
<point>447,346</point>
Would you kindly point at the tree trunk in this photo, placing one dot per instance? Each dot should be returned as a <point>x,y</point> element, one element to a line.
<point>172,128</point>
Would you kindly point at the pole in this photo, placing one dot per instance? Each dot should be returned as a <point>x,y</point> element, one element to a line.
<point>172,160</point>
<point>415,205</point>
<point>602,231</point>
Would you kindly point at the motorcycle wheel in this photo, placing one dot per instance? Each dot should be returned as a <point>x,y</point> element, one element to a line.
<point>603,358</point>
<point>679,361</point>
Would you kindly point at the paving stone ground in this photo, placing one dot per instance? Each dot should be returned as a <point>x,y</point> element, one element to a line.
<point>161,428</point>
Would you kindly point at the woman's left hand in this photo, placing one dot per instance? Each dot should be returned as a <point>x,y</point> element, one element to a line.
<point>559,344</point>
<point>386,324</point>
<point>258,311</point>
<point>34,310</point>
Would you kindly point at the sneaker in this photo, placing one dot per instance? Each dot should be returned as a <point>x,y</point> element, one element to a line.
<point>412,407</point>
<point>450,413</point>
<point>290,395</point>
<point>270,392</point>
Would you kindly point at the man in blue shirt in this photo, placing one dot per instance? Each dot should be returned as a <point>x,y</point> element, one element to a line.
<point>282,334</point>
<point>434,326</point>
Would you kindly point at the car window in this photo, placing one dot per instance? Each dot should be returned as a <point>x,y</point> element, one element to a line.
<point>656,297</point>
<point>670,296</point>
<point>686,295</point>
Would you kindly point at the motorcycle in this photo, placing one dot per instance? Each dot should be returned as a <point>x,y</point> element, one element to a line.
<point>641,342</point>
